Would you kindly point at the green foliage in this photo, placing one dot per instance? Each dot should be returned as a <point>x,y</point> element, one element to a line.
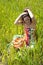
<point>9,10</point>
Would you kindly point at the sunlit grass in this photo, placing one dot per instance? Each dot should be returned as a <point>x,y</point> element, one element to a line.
<point>9,11</point>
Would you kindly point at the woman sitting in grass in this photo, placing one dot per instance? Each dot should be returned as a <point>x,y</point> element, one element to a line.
<point>26,19</point>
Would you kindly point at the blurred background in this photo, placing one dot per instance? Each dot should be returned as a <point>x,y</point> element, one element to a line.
<point>9,11</point>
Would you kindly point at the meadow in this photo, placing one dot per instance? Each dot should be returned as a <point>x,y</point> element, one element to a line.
<point>9,10</point>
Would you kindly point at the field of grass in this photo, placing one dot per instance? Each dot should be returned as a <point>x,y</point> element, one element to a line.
<point>9,10</point>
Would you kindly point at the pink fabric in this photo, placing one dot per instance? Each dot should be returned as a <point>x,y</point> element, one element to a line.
<point>27,37</point>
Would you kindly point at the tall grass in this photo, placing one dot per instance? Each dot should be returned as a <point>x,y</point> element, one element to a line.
<point>9,10</point>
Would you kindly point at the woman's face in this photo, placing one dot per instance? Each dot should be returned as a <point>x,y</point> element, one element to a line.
<point>27,20</point>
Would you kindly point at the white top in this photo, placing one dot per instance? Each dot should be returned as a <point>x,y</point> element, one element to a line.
<point>19,17</point>
<point>30,13</point>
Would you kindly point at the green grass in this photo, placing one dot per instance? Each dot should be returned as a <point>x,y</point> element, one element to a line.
<point>9,10</point>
